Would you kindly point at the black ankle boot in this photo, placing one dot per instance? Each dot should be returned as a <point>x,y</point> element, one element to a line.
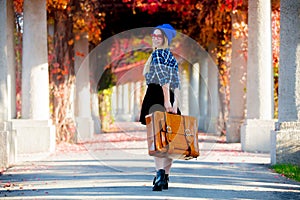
<point>166,185</point>
<point>159,180</point>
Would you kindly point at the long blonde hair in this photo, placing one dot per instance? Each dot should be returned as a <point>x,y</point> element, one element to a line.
<point>148,62</point>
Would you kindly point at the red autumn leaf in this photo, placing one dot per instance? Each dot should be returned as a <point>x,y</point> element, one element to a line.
<point>7,185</point>
<point>79,54</point>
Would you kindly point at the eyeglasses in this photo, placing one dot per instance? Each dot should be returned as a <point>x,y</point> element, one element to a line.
<point>157,36</point>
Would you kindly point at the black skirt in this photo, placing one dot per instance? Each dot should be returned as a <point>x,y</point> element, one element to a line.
<point>154,101</point>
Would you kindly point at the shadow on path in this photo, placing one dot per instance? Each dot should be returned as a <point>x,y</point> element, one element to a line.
<point>106,169</point>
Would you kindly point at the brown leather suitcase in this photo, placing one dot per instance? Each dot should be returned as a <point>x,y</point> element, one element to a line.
<point>171,135</point>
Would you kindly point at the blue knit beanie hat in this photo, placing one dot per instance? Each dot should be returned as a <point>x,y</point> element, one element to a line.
<point>169,31</point>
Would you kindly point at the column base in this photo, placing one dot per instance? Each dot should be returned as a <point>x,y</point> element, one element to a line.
<point>256,135</point>
<point>8,147</point>
<point>3,150</point>
<point>233,130</point>
<point>85,128</point>
<point>34,136</point>
<point>202,123</point>
<point>273,147</point>
<point>124,117</point>
<point>209,125</point>
<point>286,143</point>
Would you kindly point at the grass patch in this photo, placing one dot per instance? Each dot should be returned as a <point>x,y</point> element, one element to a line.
<point>288,170</point>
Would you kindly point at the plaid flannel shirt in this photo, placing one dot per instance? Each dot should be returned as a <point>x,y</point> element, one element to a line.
<point>163,69</point>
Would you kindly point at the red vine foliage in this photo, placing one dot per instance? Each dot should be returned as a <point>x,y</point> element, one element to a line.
<point>276,52</point>
<point>71,19</point>
<point>209,22</point>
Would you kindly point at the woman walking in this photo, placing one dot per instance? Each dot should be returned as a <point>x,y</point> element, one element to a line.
<point>163,84</point>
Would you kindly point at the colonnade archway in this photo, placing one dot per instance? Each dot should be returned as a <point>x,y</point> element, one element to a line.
<point>256,129</point>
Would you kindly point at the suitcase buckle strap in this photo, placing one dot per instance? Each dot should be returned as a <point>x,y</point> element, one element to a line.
<point>187,132</point>
<point>169,129</point>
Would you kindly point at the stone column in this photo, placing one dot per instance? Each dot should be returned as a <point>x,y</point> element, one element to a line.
<point>137,103</point>
<point>35,130</point>
<point>203,100</point>
<point>8,69</point>
<point>114,101</point>
<point>132,99</point>
<point>119,102</point>
<point>213,105</point>
<point>95,112</point>
<point>84,121</point>
<point>194,90</point>
<point>126,101</point>
<point>255,132</point>
<point>95,73</point>
<point>7,84</point>
<point>237,90</point>
<point>184,92</point>
<point>287,147</point>
<point>35,78</point>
